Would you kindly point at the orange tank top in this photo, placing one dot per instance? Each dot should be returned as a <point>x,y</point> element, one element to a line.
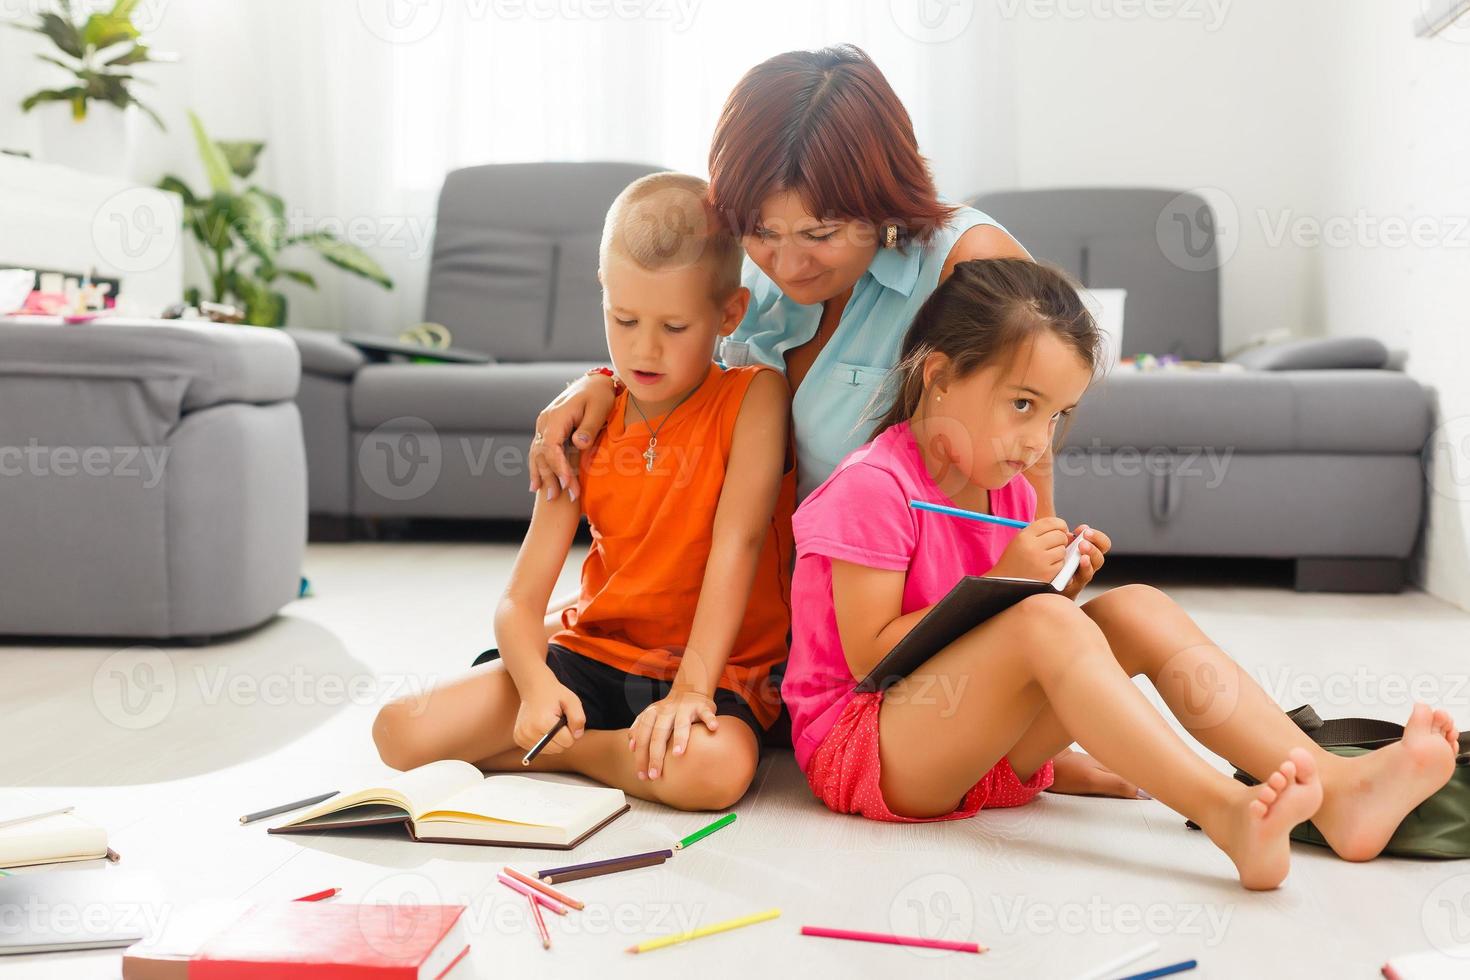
<point>651,539</point>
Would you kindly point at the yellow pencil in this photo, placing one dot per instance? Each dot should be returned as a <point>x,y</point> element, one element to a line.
<point>684,937</point>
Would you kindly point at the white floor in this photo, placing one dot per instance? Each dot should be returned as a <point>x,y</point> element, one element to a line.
<point>166,748</point>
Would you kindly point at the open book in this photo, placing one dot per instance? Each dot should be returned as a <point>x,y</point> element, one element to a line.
<point>974,600</point>
<point>46,835</point>
<point>452,802</point>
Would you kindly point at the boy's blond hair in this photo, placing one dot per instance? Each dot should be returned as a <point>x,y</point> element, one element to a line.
<point>664,221</point>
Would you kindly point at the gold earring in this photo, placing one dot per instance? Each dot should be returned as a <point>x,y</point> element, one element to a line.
<point>890,237</point>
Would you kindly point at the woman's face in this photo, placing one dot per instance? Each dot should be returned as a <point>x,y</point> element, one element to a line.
<point>810,259</point>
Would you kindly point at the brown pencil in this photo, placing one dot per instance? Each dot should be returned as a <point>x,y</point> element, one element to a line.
<point>593,869</point>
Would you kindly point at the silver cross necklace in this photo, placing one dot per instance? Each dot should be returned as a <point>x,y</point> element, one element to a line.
<point>651,453</point>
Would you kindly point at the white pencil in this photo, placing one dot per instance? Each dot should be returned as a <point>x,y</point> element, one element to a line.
<point>1114,965</point>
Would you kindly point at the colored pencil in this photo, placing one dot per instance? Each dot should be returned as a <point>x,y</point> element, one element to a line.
<point>540,920</point>
<point>1164,971</point>
<point>592,869</point>
<point>287,807</point>
<point>4,873</point>
<point>883,937</point>
<point>544,741</point>
<point>318,896</point>
<point>684,937</point>
<point>972,515</point>
<point>704,832</point>
<point>546,889</point>
<point>532,894</point>
<point>1112,966</point>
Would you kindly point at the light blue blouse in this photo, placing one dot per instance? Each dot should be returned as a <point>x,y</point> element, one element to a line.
<point>845,391</point>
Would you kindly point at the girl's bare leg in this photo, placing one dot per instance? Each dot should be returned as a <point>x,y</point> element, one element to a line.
<point>473,719</point>
<point>947,724</point>
<point>1364,798</point>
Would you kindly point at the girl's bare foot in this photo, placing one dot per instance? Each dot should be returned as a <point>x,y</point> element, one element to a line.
<point>1369,795</point>
<point>1253,827</point>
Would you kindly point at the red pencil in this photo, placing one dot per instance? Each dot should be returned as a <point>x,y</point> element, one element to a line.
<point>880,937</point>
<point>540,921</point>
<point>318,896</point>
<point>546,889</point>
<point>536,897</point>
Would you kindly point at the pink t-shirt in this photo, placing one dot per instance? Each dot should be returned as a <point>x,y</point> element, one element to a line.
<point>861,514</point>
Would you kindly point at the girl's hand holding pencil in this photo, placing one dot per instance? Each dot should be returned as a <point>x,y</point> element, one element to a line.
<point>543,706</point>
<point>1036,552</point>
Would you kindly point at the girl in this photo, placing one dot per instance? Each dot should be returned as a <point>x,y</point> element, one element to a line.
<point>994,360</point>
<point>662,667</point>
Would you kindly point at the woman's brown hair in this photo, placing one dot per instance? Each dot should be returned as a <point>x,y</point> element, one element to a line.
<point>827,125</point>
<point>984,312</point>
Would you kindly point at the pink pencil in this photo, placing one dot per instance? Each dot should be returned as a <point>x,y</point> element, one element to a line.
<point>532,894</point>
<point>881,937</point>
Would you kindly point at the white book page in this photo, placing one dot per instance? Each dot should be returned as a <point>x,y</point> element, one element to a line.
<point>523,800</point>
<point>415,790</point>
<point>59,837</point>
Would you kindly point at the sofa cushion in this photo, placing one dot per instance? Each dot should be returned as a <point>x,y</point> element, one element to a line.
<point>492,289</point>
<point>460,397</point>
<point>577,322</point>
<point>1315,354</point>
<point>1251,411</point>
<point>324,352</point>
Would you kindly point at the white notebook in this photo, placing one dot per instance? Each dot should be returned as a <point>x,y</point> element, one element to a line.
<point>49,838</point>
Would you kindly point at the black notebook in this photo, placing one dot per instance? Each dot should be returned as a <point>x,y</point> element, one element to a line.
<point>971,602</point>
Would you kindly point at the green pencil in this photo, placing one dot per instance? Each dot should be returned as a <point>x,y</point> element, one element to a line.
<point>724,821</point>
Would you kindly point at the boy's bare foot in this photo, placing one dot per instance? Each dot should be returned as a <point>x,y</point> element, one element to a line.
<point>1369,795</point>
<point>1253,828</point>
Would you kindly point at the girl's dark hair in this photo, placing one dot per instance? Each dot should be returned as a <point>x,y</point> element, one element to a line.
<point>984,312</point>
<point>827,125</point>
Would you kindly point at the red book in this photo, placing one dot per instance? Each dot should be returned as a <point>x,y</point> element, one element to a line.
<point>312,940</point>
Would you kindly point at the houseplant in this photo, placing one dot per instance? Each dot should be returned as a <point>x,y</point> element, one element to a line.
<point>92,124</point>
<point>242,233</point>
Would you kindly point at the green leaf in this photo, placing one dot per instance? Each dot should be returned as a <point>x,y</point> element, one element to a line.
<point>253,220</point>
<point>73,69</point>
<point>136,55</point>
<point>192,296</point>
<point>345,256</point>
<point>301,276</point>
<point>216,167</point>
<point>103,30</point>
<point>53,95</point>
<point>241,155</point>
<point>212,224</point>
<point>151,115</point>
<point>62,32</point>
<point>172,183</point>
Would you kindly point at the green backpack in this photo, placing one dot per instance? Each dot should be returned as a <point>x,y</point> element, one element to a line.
<point>1437,828</point>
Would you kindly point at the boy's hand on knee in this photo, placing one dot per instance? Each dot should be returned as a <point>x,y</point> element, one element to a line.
<point>665,725</point>
<point>541,707</point>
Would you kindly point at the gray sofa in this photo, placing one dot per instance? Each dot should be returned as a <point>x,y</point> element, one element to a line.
<point>514,276</point>
<point>152,479</point>
<point>1313,453</point>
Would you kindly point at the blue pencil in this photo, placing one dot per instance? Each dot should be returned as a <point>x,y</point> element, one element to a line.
<point>973,515</point>
<point>1163,971</point>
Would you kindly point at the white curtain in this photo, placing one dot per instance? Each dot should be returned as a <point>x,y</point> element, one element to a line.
<point>366,104</point>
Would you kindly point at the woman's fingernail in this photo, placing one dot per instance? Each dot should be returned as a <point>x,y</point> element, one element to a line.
<point>531,489</point>
<point>562,480</point>
<point>678,750</point>
<point>548,493</point>
<point>572,492</point>
<point>653,774</point>
<point>1143,795</point>
<point>641,774</point>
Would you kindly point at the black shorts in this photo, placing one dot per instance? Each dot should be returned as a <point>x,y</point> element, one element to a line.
<point>611,698</point>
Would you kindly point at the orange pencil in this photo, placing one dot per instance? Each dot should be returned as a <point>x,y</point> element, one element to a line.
<point>540,921</point>
<point>546,889</point>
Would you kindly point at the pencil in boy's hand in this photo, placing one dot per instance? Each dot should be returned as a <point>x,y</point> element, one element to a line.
<point>545,740</point>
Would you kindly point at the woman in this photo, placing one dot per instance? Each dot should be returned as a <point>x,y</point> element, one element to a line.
<point>815,165</point>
